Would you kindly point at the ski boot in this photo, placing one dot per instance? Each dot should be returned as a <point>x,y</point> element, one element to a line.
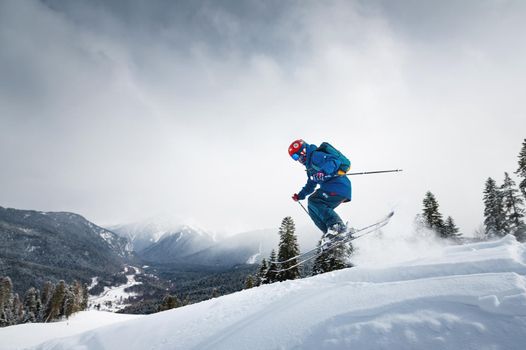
<point>334,234</point>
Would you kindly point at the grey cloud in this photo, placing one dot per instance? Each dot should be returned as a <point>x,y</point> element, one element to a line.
<point>122,109</point>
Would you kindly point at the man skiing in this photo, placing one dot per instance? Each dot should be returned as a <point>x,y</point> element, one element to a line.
<point>326,167</point>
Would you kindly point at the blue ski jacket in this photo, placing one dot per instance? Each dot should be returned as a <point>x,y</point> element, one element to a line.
<point>328,164</point>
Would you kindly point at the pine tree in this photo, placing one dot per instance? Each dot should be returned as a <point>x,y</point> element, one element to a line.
<point>334,259</point>
<point>47,293</point>
<point>169,302</point>
<point>32,305</point>
<point>431,215</point>
<point>262,273</point>
<point>56,302</point>
<point>494,214</point>
<point>85,297</point>
<point>288,248</point>
<point>80,299</point>
<point>521,171</point>
<point>249,282</point>
<point>17,310</point>
<point>513,206</point>
<point>272,272</point>
<point>215,293</point>
<point>68,305</point>
<point>450,230</point>
<point>6,302</point>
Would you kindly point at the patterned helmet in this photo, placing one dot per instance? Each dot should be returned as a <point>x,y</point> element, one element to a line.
<point>296,146</point>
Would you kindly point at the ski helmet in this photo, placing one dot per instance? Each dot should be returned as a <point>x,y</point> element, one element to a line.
<point>296,147</point>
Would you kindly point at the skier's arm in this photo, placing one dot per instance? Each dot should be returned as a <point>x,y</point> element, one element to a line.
<point>307,189</point>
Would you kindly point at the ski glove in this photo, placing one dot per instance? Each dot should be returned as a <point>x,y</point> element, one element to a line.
<point>295,197</point>
<point>318,177</point>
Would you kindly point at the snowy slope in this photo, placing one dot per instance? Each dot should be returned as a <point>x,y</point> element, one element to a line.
<point>463,297</point>
<point>26,335</point>
<point>115,298</point>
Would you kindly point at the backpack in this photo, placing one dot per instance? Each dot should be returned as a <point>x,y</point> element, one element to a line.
<point>345,163</point>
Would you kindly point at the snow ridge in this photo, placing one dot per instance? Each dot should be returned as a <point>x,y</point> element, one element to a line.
<point>469,297</point>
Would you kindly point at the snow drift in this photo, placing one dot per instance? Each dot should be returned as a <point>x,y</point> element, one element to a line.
<point>467,297</point>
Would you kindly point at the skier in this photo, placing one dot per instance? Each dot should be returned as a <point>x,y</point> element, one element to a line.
<point>326,167</point>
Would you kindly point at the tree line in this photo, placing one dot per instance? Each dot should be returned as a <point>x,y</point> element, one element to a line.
<point>52,303</point>
<point>432,219</point>
<point>503,207</point>
<point>271,271</point>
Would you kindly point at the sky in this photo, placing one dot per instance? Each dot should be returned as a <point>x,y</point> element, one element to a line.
<point>125,110</point>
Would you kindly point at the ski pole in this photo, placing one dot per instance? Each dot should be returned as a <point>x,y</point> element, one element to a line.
<point>363,173</point>
<point>374,172</point>
<point>303,207</point>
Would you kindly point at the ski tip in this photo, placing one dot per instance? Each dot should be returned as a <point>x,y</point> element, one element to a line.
<point>390,214</point>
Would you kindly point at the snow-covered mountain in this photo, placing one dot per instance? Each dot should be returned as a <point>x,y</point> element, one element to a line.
<point>244,248</point>
<point>176,245</point>
<point>38,246</point>
<point>248,247</point>
<point>143,234</point>
<point>162,241</point>
<point>459,297</point>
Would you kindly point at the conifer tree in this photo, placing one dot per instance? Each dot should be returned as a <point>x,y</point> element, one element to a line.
<point>169,302</point>
<point>18,310</point>
<point>80,299</point>
<point>521,171</point>
<point>288,248</point>
<point>85,297</point>
<point>513,206</point>
<point>450,230</point>
<point>333,259</point>
<point>262,273</point>
<point>68,305</point>
<point>6,302</point>
<point>494,214</point>
<point>47,293</point>
<point>32,305</point>
<point>56,302</point>
<point>249,282</point>
<point>431,215</point>
<point>272,272</point>
<point>215,293</point>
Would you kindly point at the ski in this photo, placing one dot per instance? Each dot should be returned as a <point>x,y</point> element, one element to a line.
<point>379,222</point>
<point>304,257</point>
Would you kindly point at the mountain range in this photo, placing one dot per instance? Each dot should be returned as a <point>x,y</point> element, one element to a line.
<point>37,246</point>
<point>161,243</point>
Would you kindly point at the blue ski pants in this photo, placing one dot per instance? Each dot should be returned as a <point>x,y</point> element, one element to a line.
<point>321,209</point>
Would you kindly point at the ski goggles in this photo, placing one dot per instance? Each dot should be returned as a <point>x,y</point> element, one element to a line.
<point>298,155</point>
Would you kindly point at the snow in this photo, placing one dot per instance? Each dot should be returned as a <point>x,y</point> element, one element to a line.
<point>459,297</point>
<point>114,298</point>
<point>106,235</point>
<point>181,234</point>
<point>94,281</point>
<point>31,248</point>
<point>254,259</point>
<point>32,334</point>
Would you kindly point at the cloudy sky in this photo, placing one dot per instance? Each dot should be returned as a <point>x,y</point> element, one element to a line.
<point>123,110</point>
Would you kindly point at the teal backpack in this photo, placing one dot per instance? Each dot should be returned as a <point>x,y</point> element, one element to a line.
<point>345,165</point>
